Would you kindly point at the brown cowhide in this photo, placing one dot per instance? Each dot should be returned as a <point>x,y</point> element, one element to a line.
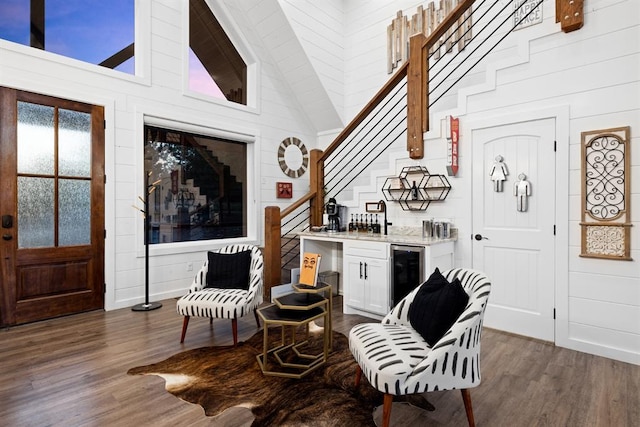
<point>218,378</point>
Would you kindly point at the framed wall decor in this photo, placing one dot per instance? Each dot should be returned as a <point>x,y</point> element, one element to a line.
<point>606,194</point>
<point>284,190</point>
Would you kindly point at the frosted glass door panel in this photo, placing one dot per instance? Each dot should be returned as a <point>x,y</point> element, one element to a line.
<point>74,143</point>
<point>35,138</point>
<point>74,219</point>
<point>35,212</point>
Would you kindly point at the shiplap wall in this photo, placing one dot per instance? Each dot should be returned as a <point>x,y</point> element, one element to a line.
<point>159,92</point>
<point>319,27</point>
<point>592,75</point>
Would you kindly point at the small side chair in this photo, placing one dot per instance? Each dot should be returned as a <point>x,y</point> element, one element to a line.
<point>397,359</point>
<point>228,286</point>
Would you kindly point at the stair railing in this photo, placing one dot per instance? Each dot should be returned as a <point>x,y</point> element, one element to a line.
<point>399,109</point>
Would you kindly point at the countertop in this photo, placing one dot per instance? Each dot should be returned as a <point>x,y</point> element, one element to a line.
<point>391,238</point>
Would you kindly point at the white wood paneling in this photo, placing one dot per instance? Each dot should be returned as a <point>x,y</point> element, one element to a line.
<point>595,73</point>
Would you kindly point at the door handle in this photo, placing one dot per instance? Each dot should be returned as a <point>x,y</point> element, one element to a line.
<point>7,237</point>
<point>480,237</point>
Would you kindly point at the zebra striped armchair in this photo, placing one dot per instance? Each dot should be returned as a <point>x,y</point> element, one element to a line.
<point>218,303</point>
<point>397,360</point>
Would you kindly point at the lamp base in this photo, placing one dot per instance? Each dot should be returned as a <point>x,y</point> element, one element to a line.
<point>146,307</point>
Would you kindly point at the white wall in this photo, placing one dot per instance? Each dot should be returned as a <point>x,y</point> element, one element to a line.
<point>592,77</point>
<point>159,91</point>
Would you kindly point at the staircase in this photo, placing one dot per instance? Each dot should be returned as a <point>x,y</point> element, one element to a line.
<point>400,110</point>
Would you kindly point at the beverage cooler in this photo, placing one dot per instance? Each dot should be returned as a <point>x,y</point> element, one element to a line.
<point>407,270</point>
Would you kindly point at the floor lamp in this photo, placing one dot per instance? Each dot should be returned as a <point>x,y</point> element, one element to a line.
<point>147,306</point>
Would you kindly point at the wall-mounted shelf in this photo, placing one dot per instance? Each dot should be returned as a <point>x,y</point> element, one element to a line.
<point>415,188</point>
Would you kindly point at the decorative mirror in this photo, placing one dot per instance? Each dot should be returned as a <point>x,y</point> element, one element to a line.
<point>293,157</point>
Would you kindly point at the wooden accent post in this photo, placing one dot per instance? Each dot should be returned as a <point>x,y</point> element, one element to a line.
<point>417,96</point>
<point>316,185</point>
<point>272,250</point>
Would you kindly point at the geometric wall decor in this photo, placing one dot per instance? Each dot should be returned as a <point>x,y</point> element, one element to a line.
<point>606,194</point>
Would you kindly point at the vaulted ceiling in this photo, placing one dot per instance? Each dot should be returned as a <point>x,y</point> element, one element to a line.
<point>275,35</point>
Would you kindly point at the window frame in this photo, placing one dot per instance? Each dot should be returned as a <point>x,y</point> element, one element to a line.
<point>249,137</point>
<point>241,45</point>
<point>142,51</point>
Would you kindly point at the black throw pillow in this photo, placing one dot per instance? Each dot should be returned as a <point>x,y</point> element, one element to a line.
<point>436,306</point>
<point>228,271</point>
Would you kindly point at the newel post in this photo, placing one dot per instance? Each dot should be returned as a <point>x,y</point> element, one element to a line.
<point>417,96</point>
<point>316,185</point>
<point>272,249</point>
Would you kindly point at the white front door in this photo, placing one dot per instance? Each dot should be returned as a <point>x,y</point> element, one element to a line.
<point>513,234</point>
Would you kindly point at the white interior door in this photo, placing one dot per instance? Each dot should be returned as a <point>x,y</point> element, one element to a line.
<point>514,245</point>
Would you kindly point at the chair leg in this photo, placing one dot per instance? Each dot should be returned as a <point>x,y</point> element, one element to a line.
<point>255,313</point>
<point>386,409</point>
<point>466,397</point>
<point>185,323</point>
<point>358,375</point>
<point>234,329</point>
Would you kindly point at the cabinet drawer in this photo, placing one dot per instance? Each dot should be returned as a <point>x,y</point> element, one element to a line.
<point>367,249</point>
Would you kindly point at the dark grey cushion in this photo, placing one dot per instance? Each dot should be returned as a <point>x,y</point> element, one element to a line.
<point>436,306</point>
<point>228,271</point>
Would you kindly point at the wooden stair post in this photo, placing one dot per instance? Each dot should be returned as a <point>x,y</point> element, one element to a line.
<point>316,186</point>
<point>272,251</point>
<point>417,96</point>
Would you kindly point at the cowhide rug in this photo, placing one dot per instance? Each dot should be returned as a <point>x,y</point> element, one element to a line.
<point>219,378</point>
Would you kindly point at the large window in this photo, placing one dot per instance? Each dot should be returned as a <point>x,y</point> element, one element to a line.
<point>201,186</point>
<point>95,31</point>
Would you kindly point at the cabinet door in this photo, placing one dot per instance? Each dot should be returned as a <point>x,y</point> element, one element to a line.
<point>353,285</point>
<point>377,287</point>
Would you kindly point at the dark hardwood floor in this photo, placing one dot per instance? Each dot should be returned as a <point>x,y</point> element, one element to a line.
<point>72,371</point>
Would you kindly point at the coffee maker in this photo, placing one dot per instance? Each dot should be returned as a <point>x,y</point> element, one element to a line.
<point>332,210</point>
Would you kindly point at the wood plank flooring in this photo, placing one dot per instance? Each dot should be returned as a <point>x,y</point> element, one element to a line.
<point>72,371</point>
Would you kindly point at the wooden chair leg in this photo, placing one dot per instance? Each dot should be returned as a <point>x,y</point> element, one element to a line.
<point>234,329</point>
<point>358,375</point>
<point>466,397</point>
<point>185,323</point>
<point>386,409</point>
<point>255,313</point>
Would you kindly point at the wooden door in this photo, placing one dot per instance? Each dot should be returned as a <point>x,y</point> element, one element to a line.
<point>52,207</point>
<point>515,247</point>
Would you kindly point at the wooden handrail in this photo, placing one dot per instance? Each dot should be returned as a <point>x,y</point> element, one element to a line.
<point>362,115</point>
<point>301,201</point>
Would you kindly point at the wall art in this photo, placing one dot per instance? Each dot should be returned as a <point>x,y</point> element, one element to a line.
<point>606,194</point>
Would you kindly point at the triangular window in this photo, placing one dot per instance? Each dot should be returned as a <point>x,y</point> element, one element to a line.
<point>215,66</point>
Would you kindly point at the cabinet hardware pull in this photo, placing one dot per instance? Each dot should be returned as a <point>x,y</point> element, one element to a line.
<point>361,270</point>
<point>365,271</point>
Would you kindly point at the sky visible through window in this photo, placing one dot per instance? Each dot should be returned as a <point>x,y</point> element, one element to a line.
<point>90,31</point>
<point>87,30</point>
